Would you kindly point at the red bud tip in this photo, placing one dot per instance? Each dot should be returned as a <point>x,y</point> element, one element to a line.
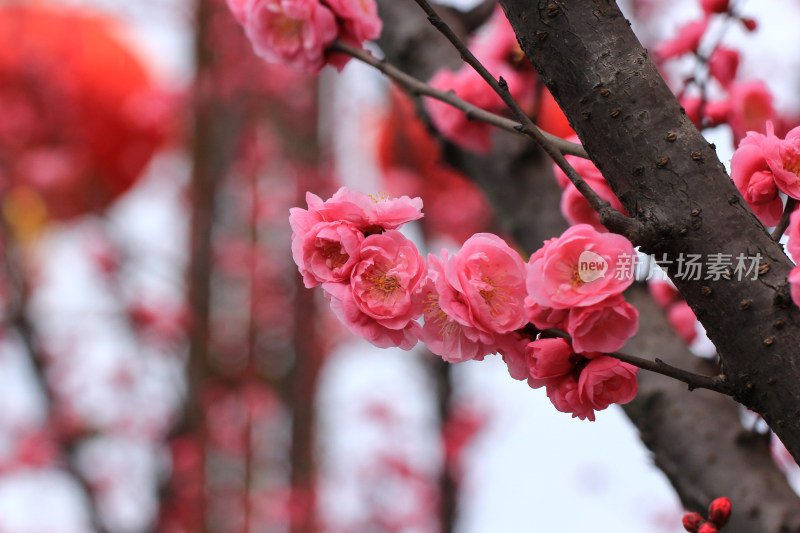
<point>750,24</point>
<point>708,527</point>
<point>692,521</point>
<point>719,511</point>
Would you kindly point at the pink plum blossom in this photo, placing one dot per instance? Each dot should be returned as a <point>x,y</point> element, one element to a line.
<point>547,359</point>
<point>241,9</point>
<point>564,395</point>
<point>750,108</point>
<point>293,32</point>
<point>328,252</point>
<point>358,22</point>
<point>512,346</point>
<point>794,284</point>
<point>664,293</point>
<point>793,232</point>
<point>584,167</point>
<point>602,327</point>
<point>715,112</point>
<point>496,40</point>
<point>453,123</point>
<point>489,278</point>
<point>683,320</point>
<point>555,275</point>
<point>751,171</point>
<point>379,303</point>
<point>358,19</point>
<point>606,380</point>
<point>545,317</point>
<point>723,64</point>
<point>787,175</point>
<point>441,333</point>
<point>368,213</point>
<point>385,279</point>
<point>687,41</point>
<point>576,208</point>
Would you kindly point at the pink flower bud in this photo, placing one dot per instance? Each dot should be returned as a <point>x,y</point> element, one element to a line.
<point>719,511</point>
<point>692,521</point>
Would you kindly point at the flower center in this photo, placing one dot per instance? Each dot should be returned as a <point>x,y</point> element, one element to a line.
<point>334,257</point>
<point>493,293</point>
<point>380,197</point>
<point>434,315</point>
<point>384,283</point>
<point>793,166</point>
<point>288,30</point>
<point>576,280</point>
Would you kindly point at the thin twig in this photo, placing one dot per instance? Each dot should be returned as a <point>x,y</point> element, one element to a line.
<point>473,112</point>
<point>608,215</point>
<point>694,381</point>
<point>791,203</point>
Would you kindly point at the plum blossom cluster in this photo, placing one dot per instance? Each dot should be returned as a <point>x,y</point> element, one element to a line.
<point>482,300</point>
<point>793,247</point>
<point>763,166</point>
<point>764,169</point>
<point>497,48</point>
<point>743,105</point>
<point>298,33</point>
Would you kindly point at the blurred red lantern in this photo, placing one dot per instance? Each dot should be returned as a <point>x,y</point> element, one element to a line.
<point>80,115</point>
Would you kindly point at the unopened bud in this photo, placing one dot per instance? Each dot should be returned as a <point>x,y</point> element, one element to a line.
<point>692,521</point>
<point>750,24</point>
<point>719,511</point>
<point>707,527</point>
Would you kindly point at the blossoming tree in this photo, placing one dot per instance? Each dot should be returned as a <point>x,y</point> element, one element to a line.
<point>595,175</point>
<point>653,182</point>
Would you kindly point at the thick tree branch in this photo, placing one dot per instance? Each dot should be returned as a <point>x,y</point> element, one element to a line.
<point>669,178</point>
<point>697,439</point>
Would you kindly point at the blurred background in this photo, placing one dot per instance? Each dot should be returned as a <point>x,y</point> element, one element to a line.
<point>162,367</point>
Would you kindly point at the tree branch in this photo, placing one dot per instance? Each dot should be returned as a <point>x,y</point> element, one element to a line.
<point>791,203</point>
<point>696,439</point>
<point>416,87</point>
<point>611,218</point>
<point>670,179</point>
<point>716,383</point>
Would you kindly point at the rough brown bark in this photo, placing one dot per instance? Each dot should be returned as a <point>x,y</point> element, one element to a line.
<point>671,180</point>
<point>720,458</point>
<point>697,439</point>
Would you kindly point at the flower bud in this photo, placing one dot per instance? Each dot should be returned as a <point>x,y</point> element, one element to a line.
<point>692,521</point>
<point>719,511</point>
<point>707,527</point>
<point>749,24</point>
